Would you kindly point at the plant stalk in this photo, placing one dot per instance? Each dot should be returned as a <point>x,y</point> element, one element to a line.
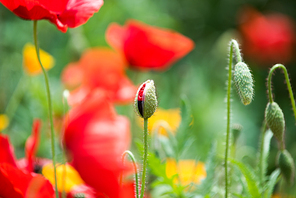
<point>130,154</point>
<point>49,109</point>
<point>288,85</point>
<point>145,157</point>
<point>233,44</point>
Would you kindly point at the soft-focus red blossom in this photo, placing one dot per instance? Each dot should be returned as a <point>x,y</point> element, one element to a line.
<point>6,151</point>
<point>18,184</point>
<point>62,13</point>
<point>99,69</point>
<point>32,144</point>
<point>147,47</point>
<point>267,39</point>
<point>96,138</point>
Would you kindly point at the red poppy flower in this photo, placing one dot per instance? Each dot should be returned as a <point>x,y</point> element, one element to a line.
<point>7,151</point>
<point>96,138</point>
<point>99,68</point>
<point>16,183</point>
<point>32,144</point>
<point>62,13</point>
<point>146,47</point>
<point>267,39</point>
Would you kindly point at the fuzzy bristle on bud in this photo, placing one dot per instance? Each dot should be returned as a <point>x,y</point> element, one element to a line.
<point>286,165</point>
<point>275,120</point>
<point>146,101</point>
<point>244,82</point>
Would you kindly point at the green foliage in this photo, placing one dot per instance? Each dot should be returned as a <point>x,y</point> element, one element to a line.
<point>273,179</point>
<point>250,176</point>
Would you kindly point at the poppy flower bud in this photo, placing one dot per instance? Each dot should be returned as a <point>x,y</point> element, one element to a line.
<point>286,165</point>
<point>275,120</point>
<point>244,82</point>
<point>146,101</point>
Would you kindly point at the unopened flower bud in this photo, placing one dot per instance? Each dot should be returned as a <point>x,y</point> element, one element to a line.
<point>275,120</point>
<point>236,131</point>
<point>244,82</point>
<point>286,165</point>
<point>79,195</point>
<point>146,101</point>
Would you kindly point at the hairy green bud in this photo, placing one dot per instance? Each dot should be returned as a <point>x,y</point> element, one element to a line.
<point>244,82</point>
<point>236,131</point>
<point>275,120</point>
<point>286,164</point>
<point>79,195</point>
<point>146,101</point>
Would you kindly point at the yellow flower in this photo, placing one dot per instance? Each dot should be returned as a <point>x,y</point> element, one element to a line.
<point>4,121</point>
<point>170,118</point>
<point>71,178</point>
<point>31,63</point>
<point>189,171</point>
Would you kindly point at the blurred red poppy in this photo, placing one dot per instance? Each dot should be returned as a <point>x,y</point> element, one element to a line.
<point>146,47</point>
<point>6,151</point>
<point>16,183</point>
<point>96,138</point>
<point>62,13</point>
<point>32,144</point>
<point>99,68</point>
<point>267,39</point>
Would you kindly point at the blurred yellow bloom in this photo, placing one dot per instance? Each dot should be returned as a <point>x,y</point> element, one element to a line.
<point>189,171</point>
<point>72,177</point>
<point>30,60</point>
<point>4,121</point>
<point>170,118</point>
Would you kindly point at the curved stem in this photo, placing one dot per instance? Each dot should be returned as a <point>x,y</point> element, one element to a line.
<point>233,44</point>
<point>145,157</point>
<point>130,154</point>
<point>49,109</point>
<point>288,85</point>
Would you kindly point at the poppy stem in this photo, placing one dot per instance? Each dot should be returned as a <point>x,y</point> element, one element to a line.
<point>65,110</point>
<point>145,157</point>
<point>49,109</point>
<point>233,44</point>
<point>130,154</point>
<point>288,85</point>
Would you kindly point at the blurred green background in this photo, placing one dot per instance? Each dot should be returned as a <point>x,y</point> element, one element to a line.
<point>201,75</point>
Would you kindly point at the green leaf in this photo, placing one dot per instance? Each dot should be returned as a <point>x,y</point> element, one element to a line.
<point>186,115</point>
<point>267,138</point>
<point>250,177</point>
<point>272,182</point>
<point>211,164</point>
<point>238,195</point>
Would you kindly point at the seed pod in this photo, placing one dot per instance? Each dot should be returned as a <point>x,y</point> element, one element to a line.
<point>146,101</point>
<point>275,120</point>
<point>286,164</point>
<point>244,82</point>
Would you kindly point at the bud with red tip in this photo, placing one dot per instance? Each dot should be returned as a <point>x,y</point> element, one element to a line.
<point>146,101</point>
